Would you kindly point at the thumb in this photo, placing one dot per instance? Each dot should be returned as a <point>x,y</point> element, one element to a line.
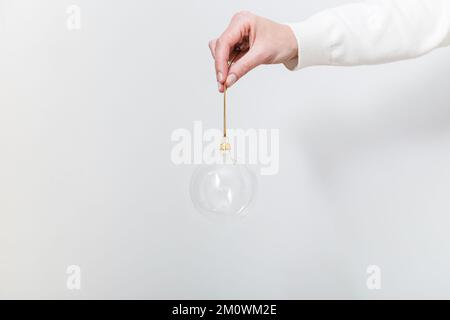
<point>247,62</point>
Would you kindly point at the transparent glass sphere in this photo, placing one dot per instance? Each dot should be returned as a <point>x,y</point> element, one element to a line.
<point>224,189</point>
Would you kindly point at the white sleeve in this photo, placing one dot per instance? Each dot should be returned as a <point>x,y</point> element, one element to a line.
<point>372,32</point>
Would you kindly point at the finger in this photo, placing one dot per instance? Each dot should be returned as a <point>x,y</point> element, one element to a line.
<point>224,46</point>
<point>212,47</point>
<point>247,62</point>
<point>235,57</point>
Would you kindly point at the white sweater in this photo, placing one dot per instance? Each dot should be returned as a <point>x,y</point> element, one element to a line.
<point>372,32</point>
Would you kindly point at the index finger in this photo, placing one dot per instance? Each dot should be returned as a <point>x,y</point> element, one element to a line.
<point>224,46</point>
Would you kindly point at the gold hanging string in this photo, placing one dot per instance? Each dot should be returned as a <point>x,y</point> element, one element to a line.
<point>224,110</point>
<point>225,146</point>
<point>236,53</point>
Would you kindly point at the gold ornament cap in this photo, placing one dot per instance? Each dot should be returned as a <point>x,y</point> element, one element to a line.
<point>225,146</point>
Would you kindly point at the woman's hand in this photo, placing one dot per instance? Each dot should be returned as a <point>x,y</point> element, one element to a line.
<point>253,40</point>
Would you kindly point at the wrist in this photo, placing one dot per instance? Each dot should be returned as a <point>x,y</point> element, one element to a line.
<point>291,44</point>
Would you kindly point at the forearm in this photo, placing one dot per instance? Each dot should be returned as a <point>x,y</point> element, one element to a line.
<point>372,32</point>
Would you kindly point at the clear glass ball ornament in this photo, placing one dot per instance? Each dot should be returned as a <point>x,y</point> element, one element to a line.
<point>224,189</point>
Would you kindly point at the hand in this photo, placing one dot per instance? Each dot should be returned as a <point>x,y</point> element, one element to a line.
<point>251,41</point>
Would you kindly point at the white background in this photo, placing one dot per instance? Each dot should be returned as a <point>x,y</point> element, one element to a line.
<point>86,176</point>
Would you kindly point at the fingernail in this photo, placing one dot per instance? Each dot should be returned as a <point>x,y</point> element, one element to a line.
<point>219,85</point>
<point>231,80</point>
<point>219,76</point>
